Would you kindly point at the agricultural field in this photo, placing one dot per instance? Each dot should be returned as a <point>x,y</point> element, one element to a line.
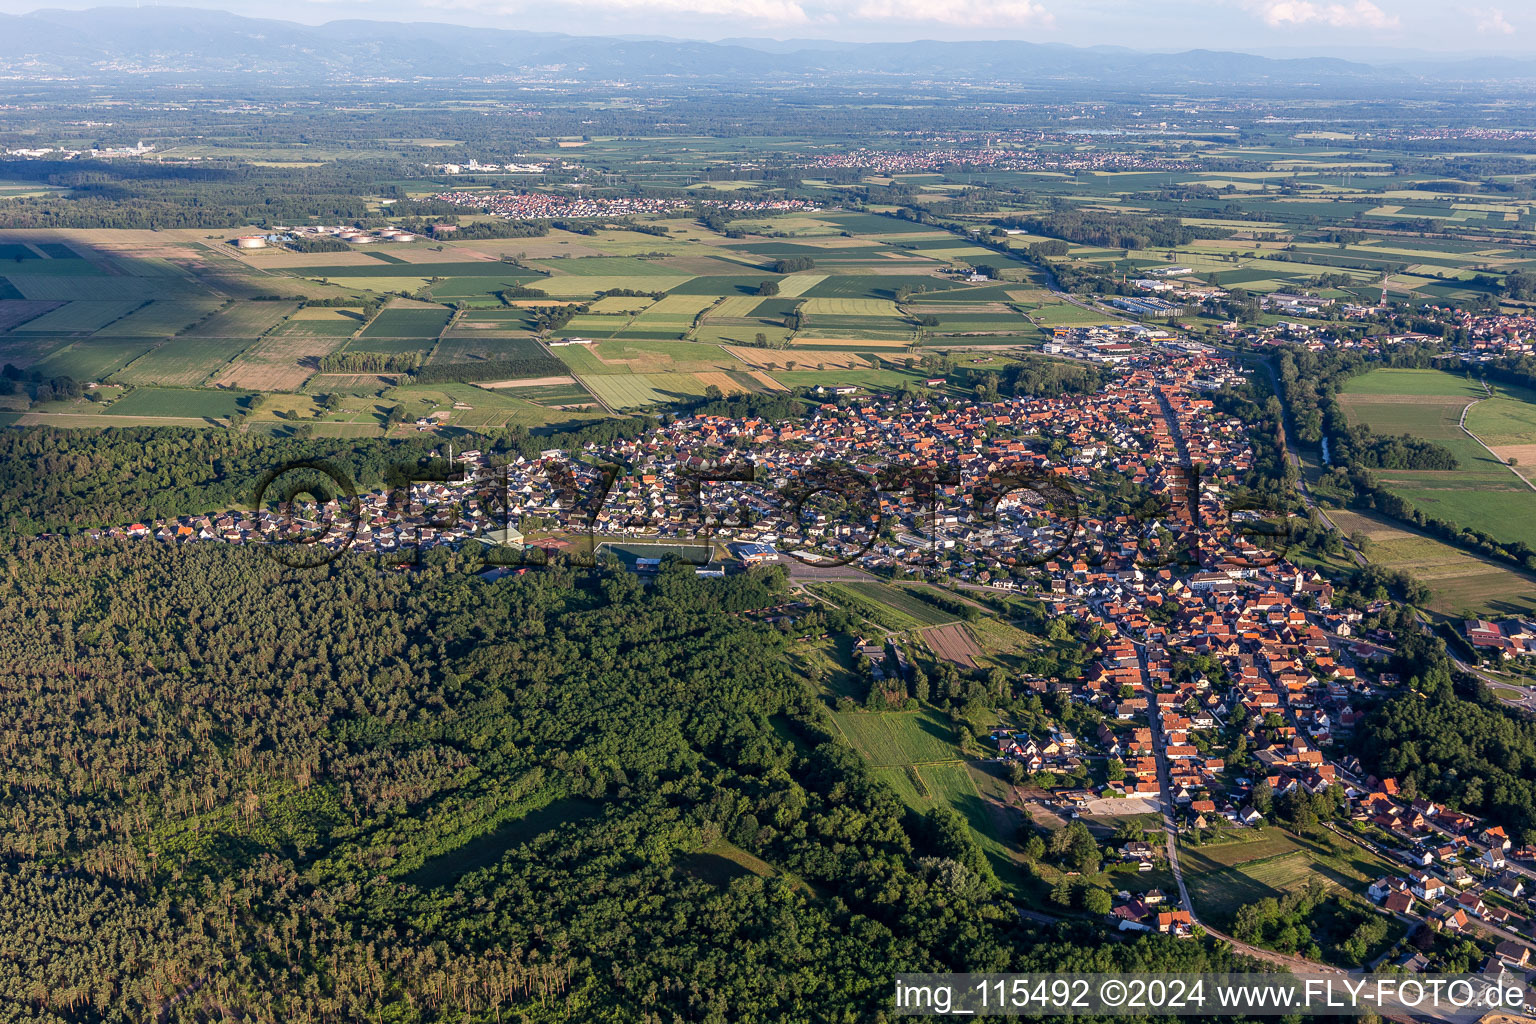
<point>899,599</point>
<point>638,390</point>
<point>178,402</point>
<point>1481,492</point>
<point>1462,585</point>
<point>82,317</point>
<point>93,359</point>
<point>163,318</point>
<point>408,322</point>
<point>277,363</point>
<point>900,737</point>
<point>954,644</point>
<point>181,362</point>
<point>244,320</point>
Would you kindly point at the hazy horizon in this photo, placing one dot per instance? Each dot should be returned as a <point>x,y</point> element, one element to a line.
<point>1356,29</point>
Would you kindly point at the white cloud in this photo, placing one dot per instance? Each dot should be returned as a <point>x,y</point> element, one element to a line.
<point>1491,21</point>
<point>1359,14</point>
<point>955,12</point>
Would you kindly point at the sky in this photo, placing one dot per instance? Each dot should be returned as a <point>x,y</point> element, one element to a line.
<point>1333,27</point>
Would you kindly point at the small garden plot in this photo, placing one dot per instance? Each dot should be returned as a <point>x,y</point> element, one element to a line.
<point>954,644</point>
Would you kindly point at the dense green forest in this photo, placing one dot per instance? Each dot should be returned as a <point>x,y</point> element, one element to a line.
<point>351,794</point>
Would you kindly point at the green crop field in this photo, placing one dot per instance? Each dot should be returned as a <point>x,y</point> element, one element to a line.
<point>606,266</point>
<point>182,362</point>
<point>319,328</point>
<point>82,317</point>
<point>1269,863</point>
<point>1503,421</point>
<point>902,601</point>
<point>243,320</point>
<point>178,402</point>
<point>555,394</point>
<point>636,390</point>
<point>1393,381</point>
<point>1462,585</point>
<point>899,737</point>
<point>623,355</point>
<point>162,318</point>
<point>93,359</point>
<point>408,323</point>
<point>94,289</point>
<point>1481,492</point>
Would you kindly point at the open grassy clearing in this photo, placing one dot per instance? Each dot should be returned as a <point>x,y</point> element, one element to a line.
<point>1501,421</point>
<point>900,737</point>
<point>901,600</point>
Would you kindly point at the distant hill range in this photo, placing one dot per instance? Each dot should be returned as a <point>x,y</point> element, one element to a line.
<point>111,42</point>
